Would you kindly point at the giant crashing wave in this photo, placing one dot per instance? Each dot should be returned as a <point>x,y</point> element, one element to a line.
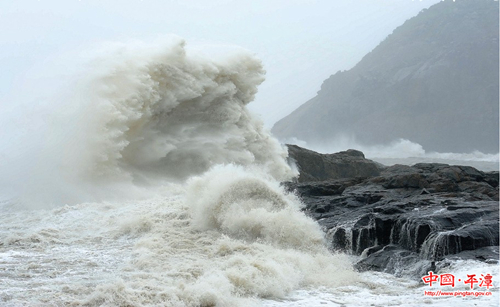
<point>225,233</point>
<point>142,115</point>
<point>160,111</point>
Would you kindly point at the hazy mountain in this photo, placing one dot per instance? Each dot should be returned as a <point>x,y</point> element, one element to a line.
<point>433,81</point>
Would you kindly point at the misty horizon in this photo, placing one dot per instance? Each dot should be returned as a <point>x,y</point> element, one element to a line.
<point>301,43</point>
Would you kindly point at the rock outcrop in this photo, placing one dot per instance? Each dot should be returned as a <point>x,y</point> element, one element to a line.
<point>408,219</point>
<point>314,166</point>
<point>433,81</point>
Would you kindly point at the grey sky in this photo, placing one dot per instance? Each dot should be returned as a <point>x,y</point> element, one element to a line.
<point>301,42</point>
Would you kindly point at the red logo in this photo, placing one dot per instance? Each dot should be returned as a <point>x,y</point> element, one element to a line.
<point>471,280</point>
<point>486,282</point>
<point>430,278</point>
<point>449,280</point>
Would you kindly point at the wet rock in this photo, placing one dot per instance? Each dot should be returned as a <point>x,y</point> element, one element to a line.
<point>416,216</point>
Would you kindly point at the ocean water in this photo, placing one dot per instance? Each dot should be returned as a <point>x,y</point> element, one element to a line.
<point>156,252</point>
<point>145,181</point>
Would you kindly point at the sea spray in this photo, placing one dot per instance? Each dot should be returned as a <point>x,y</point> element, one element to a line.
<point>142,115</point>
<point>164,112</point>
<point>145,119</point>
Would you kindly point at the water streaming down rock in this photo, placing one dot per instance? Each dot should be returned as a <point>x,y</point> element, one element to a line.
<point>468,237</point>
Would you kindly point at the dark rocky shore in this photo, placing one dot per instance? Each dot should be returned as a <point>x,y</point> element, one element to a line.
<point>400,219</point>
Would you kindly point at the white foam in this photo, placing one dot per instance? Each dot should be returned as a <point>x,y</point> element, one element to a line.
<point>165,251</point>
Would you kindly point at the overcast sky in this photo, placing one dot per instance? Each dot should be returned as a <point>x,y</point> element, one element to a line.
<point>301,42</point>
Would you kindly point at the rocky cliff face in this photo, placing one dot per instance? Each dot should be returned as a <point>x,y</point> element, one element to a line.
<point>433,81</point>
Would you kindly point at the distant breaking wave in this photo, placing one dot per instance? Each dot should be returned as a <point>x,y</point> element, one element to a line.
<point>402,152</point>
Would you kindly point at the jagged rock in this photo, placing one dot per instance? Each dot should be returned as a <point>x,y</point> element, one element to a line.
<point>314,166</point>
<point>419,215</point>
